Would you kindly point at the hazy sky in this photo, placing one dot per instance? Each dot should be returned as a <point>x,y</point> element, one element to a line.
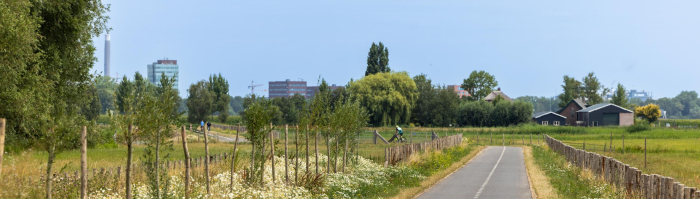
<point>527,45</point>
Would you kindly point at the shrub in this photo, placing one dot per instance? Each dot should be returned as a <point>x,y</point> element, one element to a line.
<point>641,125</point>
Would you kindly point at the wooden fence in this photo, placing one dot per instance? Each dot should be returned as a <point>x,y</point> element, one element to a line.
<point>622,175</point>
<point>396,154</point>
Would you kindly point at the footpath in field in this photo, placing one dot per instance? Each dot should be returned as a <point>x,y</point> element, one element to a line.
<point>498,172</point>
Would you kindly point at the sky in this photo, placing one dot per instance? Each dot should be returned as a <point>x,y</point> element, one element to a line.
<point>527,45</point>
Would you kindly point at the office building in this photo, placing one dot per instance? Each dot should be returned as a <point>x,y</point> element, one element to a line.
<point>287,88</point>
<point>643,96</point>
<point>169,67</point>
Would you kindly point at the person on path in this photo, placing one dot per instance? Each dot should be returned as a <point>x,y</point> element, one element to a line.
<point>397,135</point>
<point>208,126</point>
<point>201,125</point>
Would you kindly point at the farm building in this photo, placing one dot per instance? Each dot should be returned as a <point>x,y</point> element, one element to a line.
<point>569,111</point>
<point>548,118</point>
<point>492,96</point>
<point>605,114</point>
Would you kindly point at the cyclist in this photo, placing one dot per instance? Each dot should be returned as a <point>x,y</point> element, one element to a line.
<point>398,135</point>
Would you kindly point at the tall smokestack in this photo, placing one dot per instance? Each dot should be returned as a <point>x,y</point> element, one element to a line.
<point>107,74</point>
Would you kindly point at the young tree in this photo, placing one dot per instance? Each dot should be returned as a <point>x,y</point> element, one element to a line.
<point>572,90</point>
<point>479,84</point>
<point>200,102</point>
<point>157,122</point>
<point>258,117</point>
<point>620,96</point>
<point>377,59</point>
<point>650,112</point>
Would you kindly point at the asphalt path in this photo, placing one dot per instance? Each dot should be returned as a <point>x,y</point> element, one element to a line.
<point>498,172</point>
<point>222,138</point>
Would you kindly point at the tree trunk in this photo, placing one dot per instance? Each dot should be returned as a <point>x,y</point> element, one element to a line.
<point>307,148</point>
<point>233,156</point>
<point>83,163</point>
<point>296,157</point>
<point>206,160</point>
<point>286,164</point>
<point>328,151</point>
<point>129,154</point>
<point>272,153</point>
<point>157,166</point>
<point>316,150</point>
<point>337,153</point>
<point>49,165</point>
<point>345,155</point>
<point>187,162</point>
<point>2,142</point>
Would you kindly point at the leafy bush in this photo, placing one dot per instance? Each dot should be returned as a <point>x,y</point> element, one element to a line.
<point>641,125</point>
<point>503,113</point>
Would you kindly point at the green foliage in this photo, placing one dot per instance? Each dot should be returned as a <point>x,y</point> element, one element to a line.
<point>289,109</point>
<point>541,103</point>
<point>572,90</point>
<point>236,104</point>
<point>436,106</point>
<point>567,180</point>
<point>219,87</point>
<point>591,88</point>
<point>91,110</point>
<point>389,97</point>
<point>106,89</point>
<point>156,123</point>
<point>258,116</point>
<point>200,102</point>
<point>377,59</point>
<point>504,113</point>
<point>620,96</point>
<point>641,125</point>
<point>479,85</point>
<point>438,161</point>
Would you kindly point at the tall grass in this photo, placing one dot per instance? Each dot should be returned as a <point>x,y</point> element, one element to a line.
<point>570,181</point>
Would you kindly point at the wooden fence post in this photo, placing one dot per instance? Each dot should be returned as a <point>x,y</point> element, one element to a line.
<point>286,165</point>
<point>83,162</point>
<point>206,160</point>
<point>2,142</point>
<point>491,138</point>
<point>645,152</point>
<point>187,161</point>
<point>233,155</point>
<point>296,157</point>
<point>623,143</point>
<point>272,152</point>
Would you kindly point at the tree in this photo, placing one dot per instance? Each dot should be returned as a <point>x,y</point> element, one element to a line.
<point>106,89</point>
<point>479,85</point>
<point>157,122</point>
<point>377,59</point>
<point>591,88</point>
<point>650,112</point>
<point>219,87</point>
<point>436,105</point>
<point>620,96</point>
<point>541,103</point>
<point>236,104</point>
<point>389,97</point>
<point>572,90</point>
<point>200,102</point>
<point>91,110</point>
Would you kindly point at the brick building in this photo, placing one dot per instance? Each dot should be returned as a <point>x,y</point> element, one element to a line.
<point>287,88</point>
<point>459,90</point>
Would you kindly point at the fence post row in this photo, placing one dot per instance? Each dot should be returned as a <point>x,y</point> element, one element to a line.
<point>622,175</point>
<point>393,155</point>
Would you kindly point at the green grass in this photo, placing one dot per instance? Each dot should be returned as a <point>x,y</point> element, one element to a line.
<point>570,181</point>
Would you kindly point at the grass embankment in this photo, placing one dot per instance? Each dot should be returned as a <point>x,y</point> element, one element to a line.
<point>539,183</point>
<point>570,181</point>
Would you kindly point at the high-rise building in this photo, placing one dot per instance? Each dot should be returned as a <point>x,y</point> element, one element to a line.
<point>312,90</point>
<point>169,67</point>
<point>287,88</point>
<point>106,71</point>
